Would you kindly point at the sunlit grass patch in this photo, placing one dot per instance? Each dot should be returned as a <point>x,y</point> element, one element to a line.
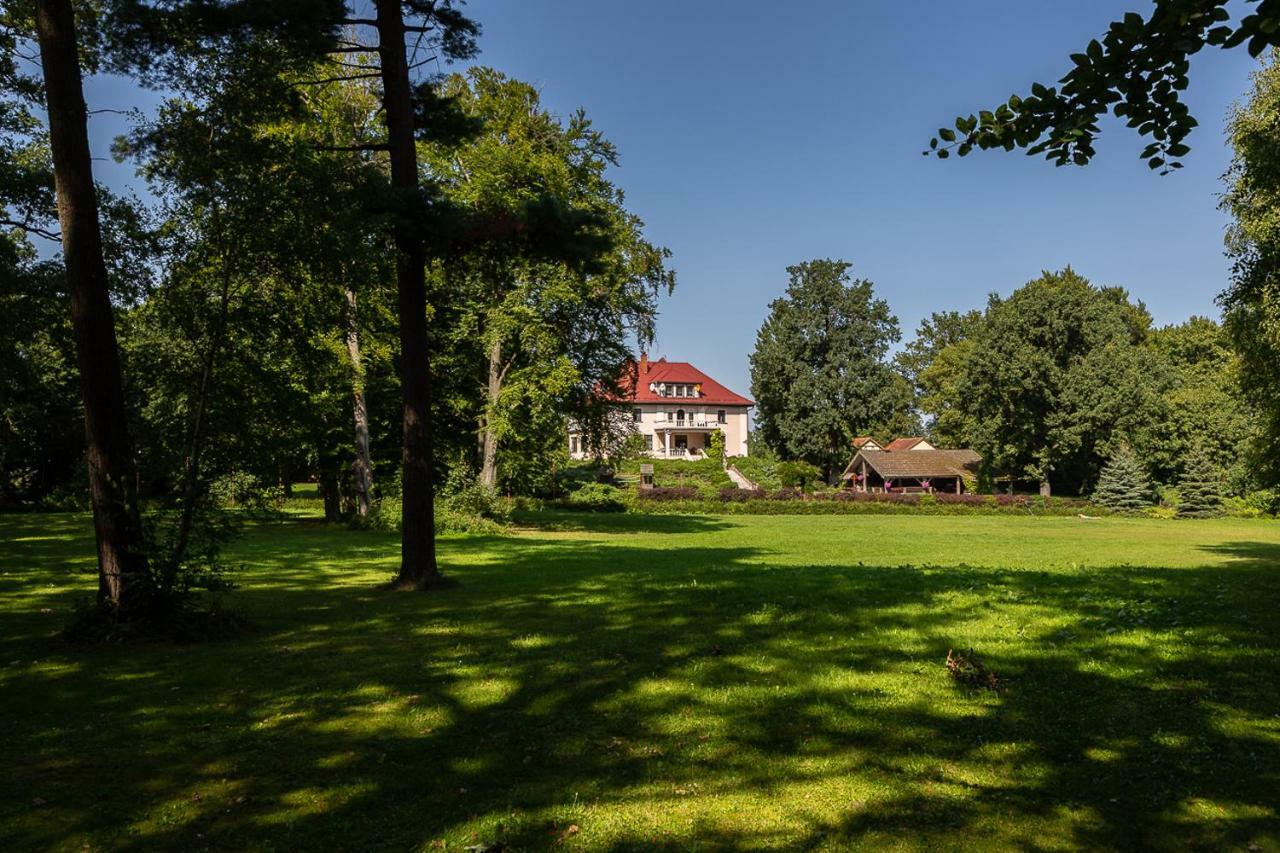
<point>739,683</point>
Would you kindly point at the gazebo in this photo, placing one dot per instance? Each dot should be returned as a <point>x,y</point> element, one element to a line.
<point>914,471</point>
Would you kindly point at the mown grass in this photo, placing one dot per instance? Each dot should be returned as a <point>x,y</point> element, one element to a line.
<point>631,682</point>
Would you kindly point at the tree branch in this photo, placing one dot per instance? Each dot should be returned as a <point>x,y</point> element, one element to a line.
<point>340,79</point>
<point>32,229</point>
<point>367,146</point>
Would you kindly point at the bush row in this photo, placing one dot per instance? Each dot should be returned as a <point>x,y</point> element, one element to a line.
<point>790,501</point>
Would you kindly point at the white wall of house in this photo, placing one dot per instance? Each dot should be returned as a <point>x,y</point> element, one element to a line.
<point>681,428</point>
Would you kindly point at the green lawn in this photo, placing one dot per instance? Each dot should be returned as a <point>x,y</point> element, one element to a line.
<point>631,682</point>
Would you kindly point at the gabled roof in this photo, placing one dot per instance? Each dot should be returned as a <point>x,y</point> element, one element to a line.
<point>893,465</point>
<point>679,373</point>
<point>903,443</point>
<point>864,440</point>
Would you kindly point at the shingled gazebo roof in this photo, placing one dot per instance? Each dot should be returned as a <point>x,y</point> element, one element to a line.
<point>891,465</point>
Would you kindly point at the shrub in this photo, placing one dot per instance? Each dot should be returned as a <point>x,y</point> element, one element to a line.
<point>1262,501</point>
<point>967,499</point>
<point>1123,485</point>
<point>733,494</point>
<point>478,501</point>
<point>598,497</point>
<point>759,469</point>
<point>464,506</point>
<point>672,493</point>
<point>850,495</point>
<point>798,475</point>
<point>787,493</point>
<point>448,521</point>
<point>1200,489</point>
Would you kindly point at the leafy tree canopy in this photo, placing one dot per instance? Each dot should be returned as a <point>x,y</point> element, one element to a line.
<point>819,371</point>
<point>1137,71</point>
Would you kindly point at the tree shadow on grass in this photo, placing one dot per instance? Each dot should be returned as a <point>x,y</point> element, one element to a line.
<point>694,698</point>
<point>618,522</point>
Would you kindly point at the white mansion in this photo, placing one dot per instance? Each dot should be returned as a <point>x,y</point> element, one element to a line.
<point>677,407</point>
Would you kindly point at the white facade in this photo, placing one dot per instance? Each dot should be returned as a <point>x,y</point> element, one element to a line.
<point>681,428</point>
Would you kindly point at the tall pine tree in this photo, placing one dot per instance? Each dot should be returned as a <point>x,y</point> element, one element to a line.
<point>1123,485</point>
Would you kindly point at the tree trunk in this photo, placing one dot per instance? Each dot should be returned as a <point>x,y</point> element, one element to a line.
<point>489,455</point>
<point>362,467</point>
<point>1044,488</point>
<point>417,539</point>
<point>122,562</point>
<point>327,485</point>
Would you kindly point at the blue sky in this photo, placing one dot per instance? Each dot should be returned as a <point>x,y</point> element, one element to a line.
<point>756,135</point>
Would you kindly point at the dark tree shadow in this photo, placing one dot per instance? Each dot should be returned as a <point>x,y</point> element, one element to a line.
<point>571,680</point>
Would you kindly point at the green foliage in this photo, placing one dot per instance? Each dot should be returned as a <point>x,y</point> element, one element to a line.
<point>1123,485</point>
<point>706,475</point>
<point>799,475</point>
<point>539,324</point>
<point>1055,374</point>
<point>462,505</point>
<point>761,467</point>
<point>464,496</point>
<point>1200,489</point>
<point>715,445</point>
<point>1252,301</point>
<point>819,372</point>
<point>934,362</point>
<point>598,497</point>
<point>1203,407</point>
<point>1137,70</point>
<point>41,423</point>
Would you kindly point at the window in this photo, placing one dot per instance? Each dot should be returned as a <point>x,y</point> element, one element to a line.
<point>573,444</point>
<point>679,390</point>
<point>637,415</point>
<point>671,416</point>
<point>722,417</point>
<point>679,416</point>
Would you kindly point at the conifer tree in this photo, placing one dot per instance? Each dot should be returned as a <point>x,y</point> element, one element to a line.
<point>1200,489</point>
<point>1123,485</point>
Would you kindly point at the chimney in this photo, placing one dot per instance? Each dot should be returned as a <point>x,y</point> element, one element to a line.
<point>644,363</point>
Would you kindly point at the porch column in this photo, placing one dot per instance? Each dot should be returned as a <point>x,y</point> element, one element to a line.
<point>864,475</point>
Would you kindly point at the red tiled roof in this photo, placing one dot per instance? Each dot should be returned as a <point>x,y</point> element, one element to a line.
<point>680,373</point>
<point>862,440</point>
<point>902,444</point>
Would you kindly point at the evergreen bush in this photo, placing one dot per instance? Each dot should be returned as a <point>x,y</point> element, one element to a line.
<point>1200,489</point>
<point>1123,485</point>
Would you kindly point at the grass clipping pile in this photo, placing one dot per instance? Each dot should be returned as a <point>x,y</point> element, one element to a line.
<point>967,669</point>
